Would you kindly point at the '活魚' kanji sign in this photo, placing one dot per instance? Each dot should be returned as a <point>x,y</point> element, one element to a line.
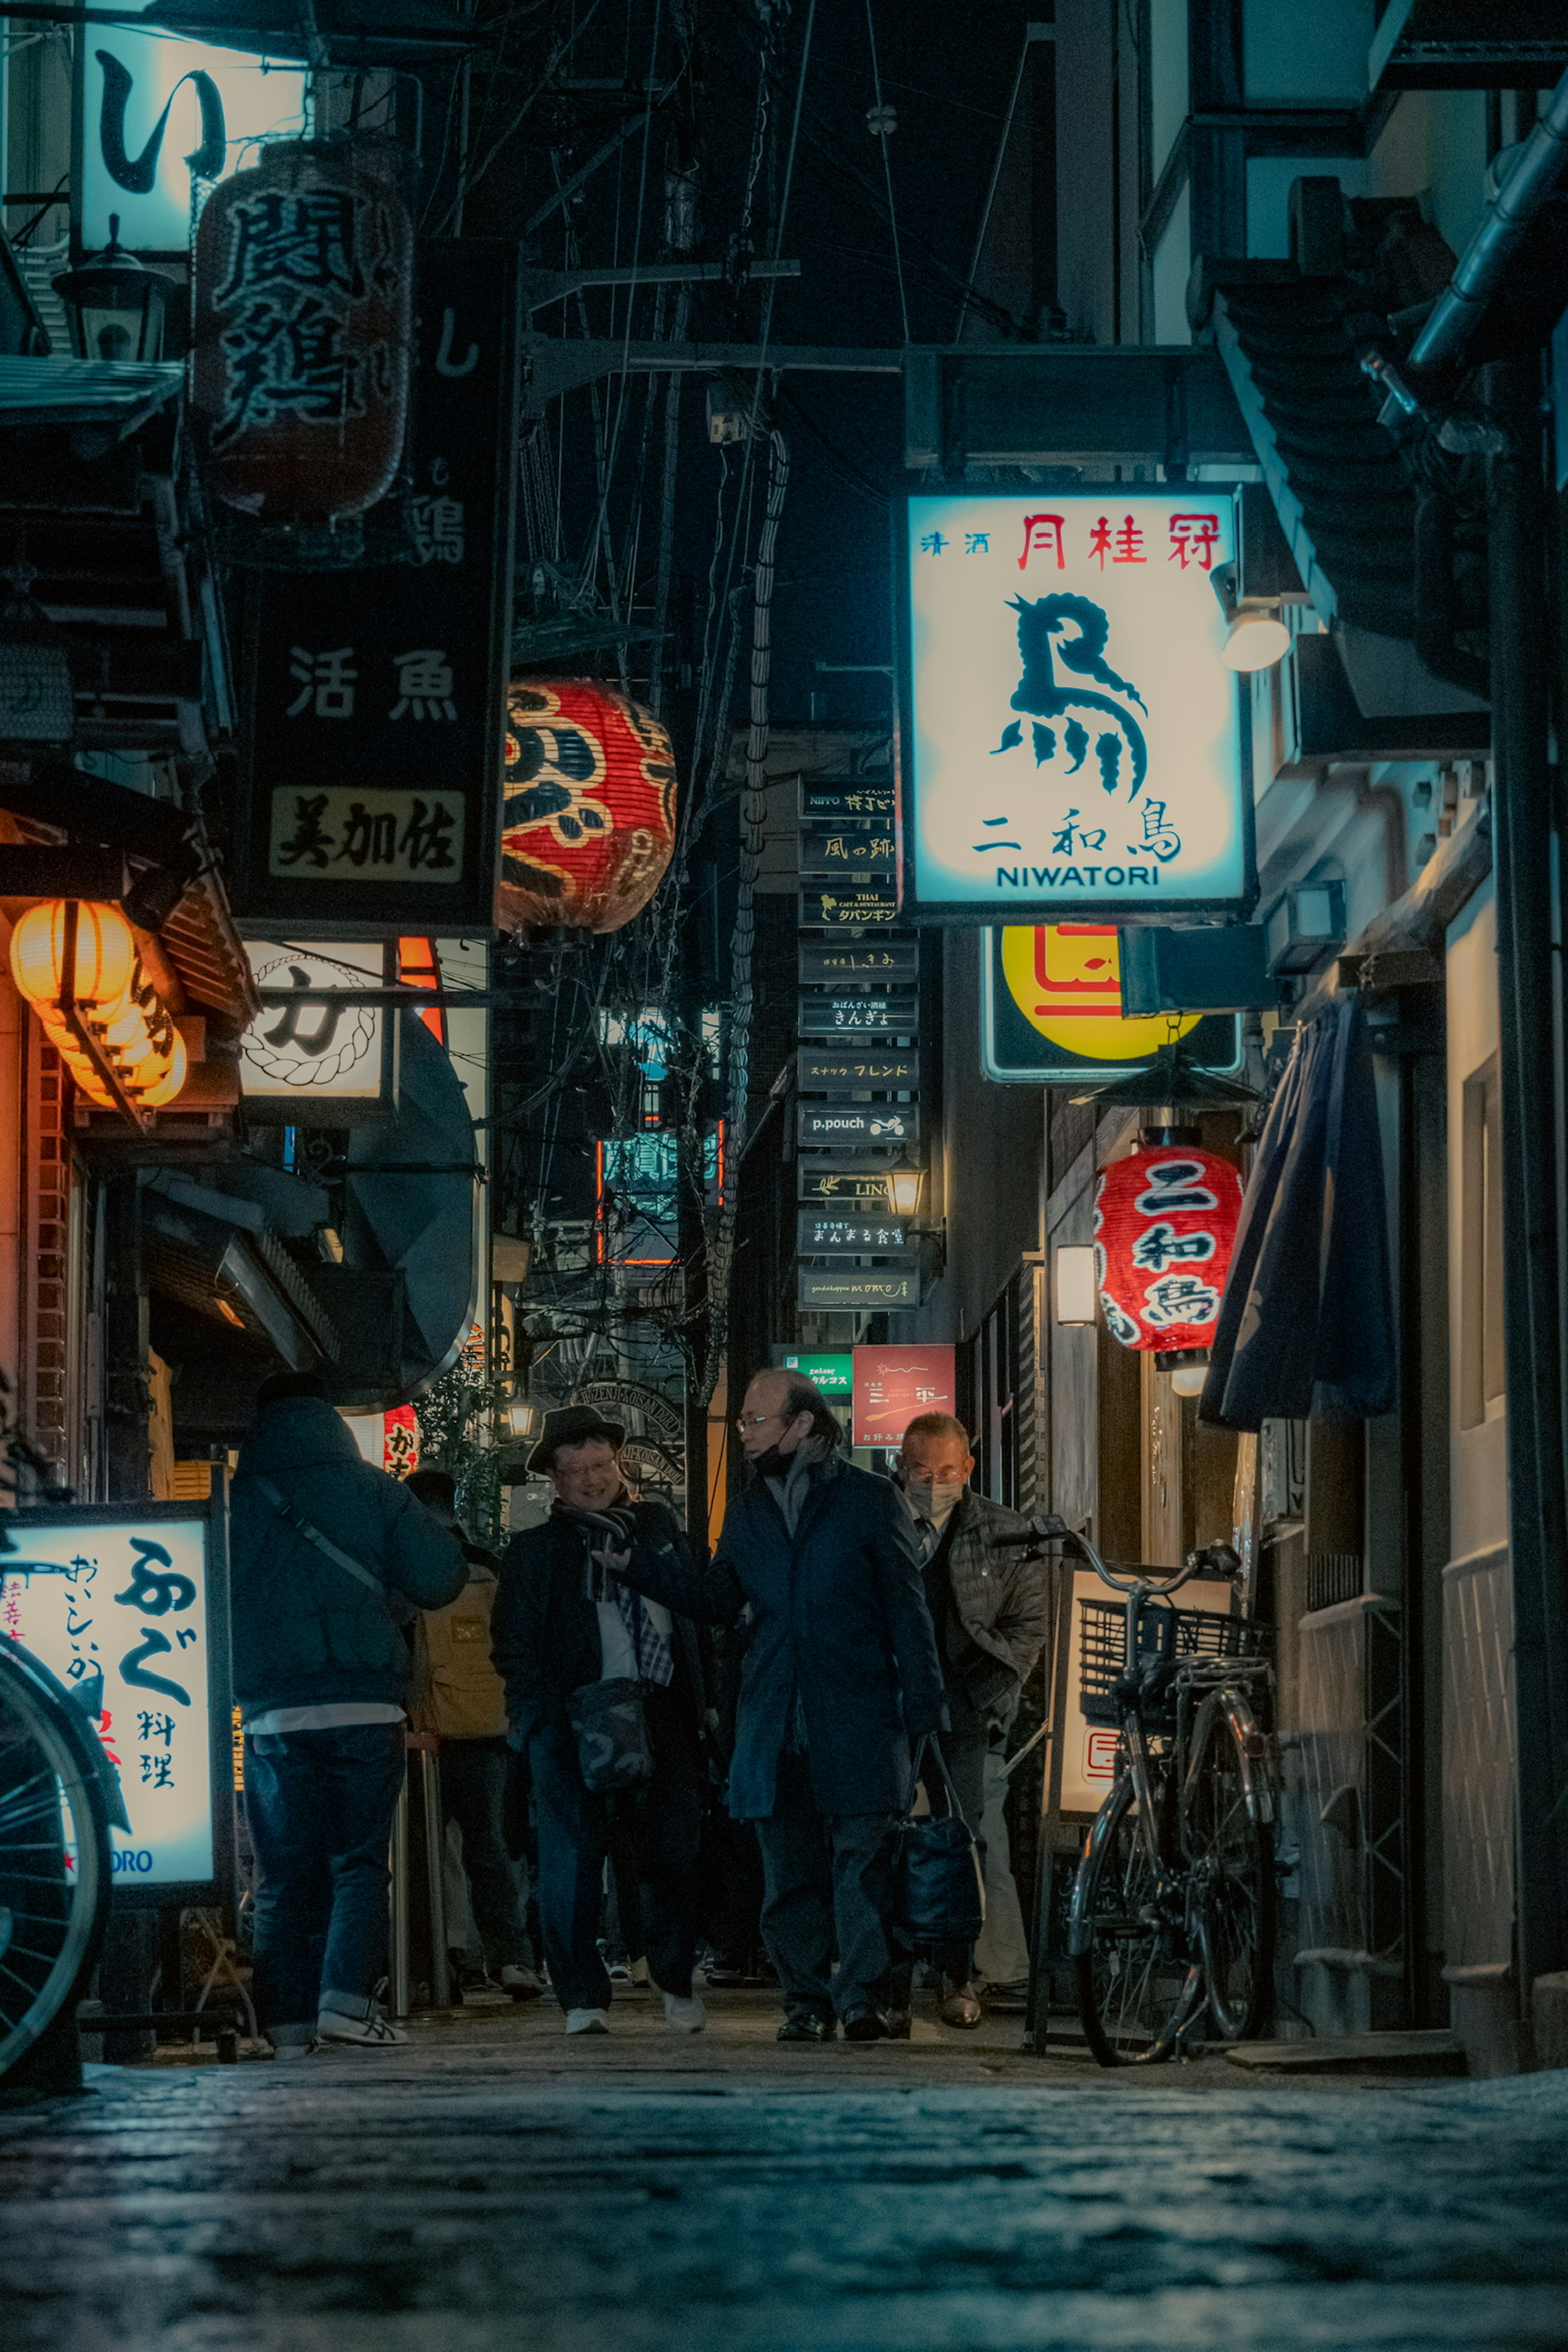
<point>124,1604</point>
<point>1072,740</point>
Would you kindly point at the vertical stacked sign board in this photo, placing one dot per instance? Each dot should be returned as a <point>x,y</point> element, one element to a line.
<point>857,1056</point>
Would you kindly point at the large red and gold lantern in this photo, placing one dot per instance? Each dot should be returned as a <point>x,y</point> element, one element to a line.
<point>303,273</point>
<point>588,818</point>
<point>1164,1227</point>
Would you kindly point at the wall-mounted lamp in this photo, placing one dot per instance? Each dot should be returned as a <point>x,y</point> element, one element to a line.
<point>521,1418</point>
<point>904,1190</point>
<point>1076,1278</point>
<point>1258,636</point>
<point>114,305</point>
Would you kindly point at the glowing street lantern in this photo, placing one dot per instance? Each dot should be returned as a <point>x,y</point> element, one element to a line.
<point>588,820</point>
<point>75,961</point>
<point>1165,1225</point>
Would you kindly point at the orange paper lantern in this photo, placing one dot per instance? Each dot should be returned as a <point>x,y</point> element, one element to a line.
<point>588,818</point>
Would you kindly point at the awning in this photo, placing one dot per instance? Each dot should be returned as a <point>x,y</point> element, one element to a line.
<point>1306,1326</point>
<point>121,393</point>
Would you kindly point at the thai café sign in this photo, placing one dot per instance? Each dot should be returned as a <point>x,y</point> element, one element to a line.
<point>1072,741</point>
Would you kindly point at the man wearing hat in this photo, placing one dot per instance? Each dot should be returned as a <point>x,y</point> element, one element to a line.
<point>562,1623</point>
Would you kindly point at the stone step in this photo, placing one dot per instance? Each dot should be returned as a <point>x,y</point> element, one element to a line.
<point>1429,2052</point>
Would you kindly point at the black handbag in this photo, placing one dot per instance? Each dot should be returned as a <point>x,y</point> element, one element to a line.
<point>939,1884</point>
<point>611,1730</point>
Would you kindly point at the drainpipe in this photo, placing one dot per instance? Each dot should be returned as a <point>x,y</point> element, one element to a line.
<point>1537,169</point>
<point>1538,1492</point>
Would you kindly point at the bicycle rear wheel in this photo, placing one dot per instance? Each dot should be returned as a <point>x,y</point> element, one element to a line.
<point>1137,1985</point>
<point>55,1862</point>
<point>1231,1858</point>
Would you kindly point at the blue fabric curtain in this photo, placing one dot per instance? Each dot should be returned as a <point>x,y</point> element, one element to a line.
<point>1306,1326</point>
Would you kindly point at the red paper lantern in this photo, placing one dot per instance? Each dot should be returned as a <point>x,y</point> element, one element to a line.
<point>303,272</point>
<point>588,820</point>
<point>1164,1227</point>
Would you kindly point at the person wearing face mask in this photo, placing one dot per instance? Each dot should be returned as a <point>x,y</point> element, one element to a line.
<point>841,1679</point>
<point>562,1623</point>
<point>991,1609</point>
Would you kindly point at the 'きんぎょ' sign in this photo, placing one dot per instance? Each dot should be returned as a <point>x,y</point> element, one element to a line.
<point>1164,1227</point>
<point>1073,739</point>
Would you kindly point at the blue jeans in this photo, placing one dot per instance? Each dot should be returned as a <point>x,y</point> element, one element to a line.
<point>319,1804</point>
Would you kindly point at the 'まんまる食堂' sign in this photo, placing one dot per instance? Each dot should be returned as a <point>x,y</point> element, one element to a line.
<point>1072,740</point>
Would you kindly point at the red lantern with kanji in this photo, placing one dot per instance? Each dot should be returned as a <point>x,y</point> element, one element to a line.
<point>304,279</point>
<point>1164,1227</point>
<point>588,818</point>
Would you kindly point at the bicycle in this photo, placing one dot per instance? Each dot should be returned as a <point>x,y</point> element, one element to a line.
<point>1171,1923</point>
<point>58,1796</point>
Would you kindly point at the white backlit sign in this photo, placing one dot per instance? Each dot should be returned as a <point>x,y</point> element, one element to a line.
<point>159,112</point>
<point>125,1595</point>
<point>315,1051</point>
<point>1072,743</point>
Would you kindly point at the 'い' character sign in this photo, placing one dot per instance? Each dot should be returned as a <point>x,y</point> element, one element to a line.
<point>1072,739</point>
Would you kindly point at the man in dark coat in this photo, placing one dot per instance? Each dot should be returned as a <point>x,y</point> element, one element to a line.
<point>841,1676</point>
<point>990,1604</point>
<point>329,1558</point>
<point>561,1621</point>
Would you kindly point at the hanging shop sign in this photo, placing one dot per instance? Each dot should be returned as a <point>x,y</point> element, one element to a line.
<point>1051,1011</point>
<point>885,1070</point>
<point>864,1188</point>
<point>839,852</point>
<point>303,281</point>
<point>634,1403</point>
<point>650,1469</point>
<point>156,115</point>
<point>375,713</point>
<point>831,1374</point>
<point>893,1384</point>
<point>858,1127</point>
<point>851,803</point>
<point>315,1062</point>
<point>400,1440</point>
<point>826,1289</point>
<point>126,1605</point>
<point>1164,1227</point>
<point>836,1013</point>
<point>588,817</point>
<point>858,962</point>
<point>851,906</point>
<point>76,963</point>
<point>1071,740</point>
<point>823,1232</point>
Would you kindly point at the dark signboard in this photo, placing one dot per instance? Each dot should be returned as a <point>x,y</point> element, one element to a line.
<point>872,960</point>
<point>851,907</point>
<point>884,1070</point>
<point>375,694</point>
<point>833,1232</point>
<point>863,1190</point>
<point>845,851</point>
<point>836,1015</point>
<point>850,804</point>
<point>859,1126</point>
<point>859,1286</point>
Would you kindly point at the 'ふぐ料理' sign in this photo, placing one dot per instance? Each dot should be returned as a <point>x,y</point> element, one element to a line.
<point>1072,740</point>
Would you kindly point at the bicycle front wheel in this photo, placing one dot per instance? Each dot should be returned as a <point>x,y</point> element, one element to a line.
<point>1136,1985</point>
<point>54,1853</point>
<point>1231,1852</point>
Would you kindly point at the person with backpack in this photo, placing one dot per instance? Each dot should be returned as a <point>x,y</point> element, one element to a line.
<point>459,1696</point>
<point>329,1559</point>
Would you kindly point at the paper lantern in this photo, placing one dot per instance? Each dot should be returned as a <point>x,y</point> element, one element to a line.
<point>105,953</point>
<point>1164,1226</point>
<point>304,279</point>
<point>588,818</point>
<point>84,980</point>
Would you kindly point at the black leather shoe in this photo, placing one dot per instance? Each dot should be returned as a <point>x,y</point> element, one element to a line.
<point>865,2025</point>
<point>806,2025</point>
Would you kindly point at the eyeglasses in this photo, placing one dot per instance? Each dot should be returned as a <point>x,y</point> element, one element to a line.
<point>745,1421</point>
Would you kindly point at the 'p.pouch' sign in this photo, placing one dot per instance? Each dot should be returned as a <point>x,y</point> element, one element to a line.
<point>1072,740</point>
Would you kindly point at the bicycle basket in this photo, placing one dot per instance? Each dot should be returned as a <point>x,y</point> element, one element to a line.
<point>1162,1632</point>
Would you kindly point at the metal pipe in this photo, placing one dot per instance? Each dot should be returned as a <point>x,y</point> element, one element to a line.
<point>435,1841</point>
<point>1535,174</point>
<point>397,1860</point>
<point>1538,1490</point>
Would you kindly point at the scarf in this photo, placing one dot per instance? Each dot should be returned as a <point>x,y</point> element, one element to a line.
<point>616,1530</point>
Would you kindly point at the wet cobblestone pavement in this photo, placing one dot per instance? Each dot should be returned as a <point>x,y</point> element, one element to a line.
<point>493,2188</point>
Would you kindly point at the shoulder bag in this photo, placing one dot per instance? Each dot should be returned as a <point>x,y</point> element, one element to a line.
<point>940,1887</point>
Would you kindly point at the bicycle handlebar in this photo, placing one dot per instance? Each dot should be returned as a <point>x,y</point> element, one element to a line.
<point>1218,1558</point>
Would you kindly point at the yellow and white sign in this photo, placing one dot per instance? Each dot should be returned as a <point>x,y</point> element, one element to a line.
<point>1051,1010</point>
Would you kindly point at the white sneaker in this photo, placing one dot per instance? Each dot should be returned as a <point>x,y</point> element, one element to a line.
<point>639,1975</point>
<point>685,2015</point>
<point>587,2021</point>
<point>371,2032</point>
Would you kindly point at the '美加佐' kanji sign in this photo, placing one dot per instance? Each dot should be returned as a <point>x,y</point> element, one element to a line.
<point>1072,740</point>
